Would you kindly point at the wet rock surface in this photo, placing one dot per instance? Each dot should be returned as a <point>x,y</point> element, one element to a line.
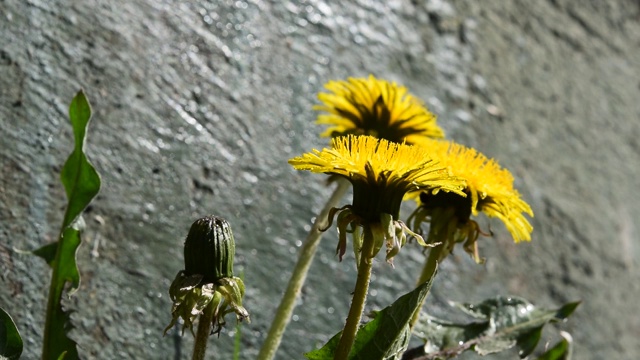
<point>198,105</point>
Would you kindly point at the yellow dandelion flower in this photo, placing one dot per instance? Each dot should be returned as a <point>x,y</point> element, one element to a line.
<point>489,189</point>
<point>369,106</point>
<point>381,173</point>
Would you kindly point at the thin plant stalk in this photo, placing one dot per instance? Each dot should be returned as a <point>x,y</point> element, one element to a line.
<point>237,344</point>
<point>359,298</point>
<point>436,255</point>
<point>203,332</point>
<point>299,275</point>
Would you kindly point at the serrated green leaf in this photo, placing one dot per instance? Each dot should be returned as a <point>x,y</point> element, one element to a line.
<point>56,343</point>
<point>384,337</point>
<point>82,183</point>
<point>80,179</point>
<point>46,252</point>
<point>10,340</point>
<point>502,322</point>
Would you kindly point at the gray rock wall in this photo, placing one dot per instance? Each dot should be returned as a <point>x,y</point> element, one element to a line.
<point>198,105</point>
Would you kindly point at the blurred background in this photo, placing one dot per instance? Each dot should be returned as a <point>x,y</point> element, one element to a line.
<point>198,106</point>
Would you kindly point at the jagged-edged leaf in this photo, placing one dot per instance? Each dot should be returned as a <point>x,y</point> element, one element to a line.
<point>80,179</point>
<point>387,334</point>
<point>500,323</point>
<point>10,340</point>
<point>56,341</point>
<point>46,252</point>
<point>384,337</point>
<point>561,350</point>
<point>82,183</point>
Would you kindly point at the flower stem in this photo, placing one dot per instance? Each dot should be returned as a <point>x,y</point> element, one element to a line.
<point>283,314</point>
<point>359,297</point>
<point>204,329</point>
<point>436,255</point>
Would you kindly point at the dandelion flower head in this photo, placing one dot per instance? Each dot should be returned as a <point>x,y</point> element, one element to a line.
<point>380,168</point>
<point>369,106</point>
<point>381,173</point>
<point>489,188</point>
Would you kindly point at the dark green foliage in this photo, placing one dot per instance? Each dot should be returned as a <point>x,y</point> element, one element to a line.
<point>82,183</point>
<point>501,323</point>
<point>386,336</point>
<point>10,340</point>
<point>561,351</point>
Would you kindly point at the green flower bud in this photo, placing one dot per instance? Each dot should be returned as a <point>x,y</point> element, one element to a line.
<point>209,249</point>
<point>207,288</point>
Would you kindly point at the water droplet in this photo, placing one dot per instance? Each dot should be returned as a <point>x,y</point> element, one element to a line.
<point>463,116</point>
<point>250,178</point>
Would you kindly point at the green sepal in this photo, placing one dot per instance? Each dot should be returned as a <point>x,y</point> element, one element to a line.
<point>232,291</point>
<point>189,299</point>
<point>346,218</point>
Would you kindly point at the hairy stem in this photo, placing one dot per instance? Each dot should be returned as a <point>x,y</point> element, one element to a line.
<point>204,329</point>
<point>283,314</point>
<point>359,297</point>
<point>436,255</point>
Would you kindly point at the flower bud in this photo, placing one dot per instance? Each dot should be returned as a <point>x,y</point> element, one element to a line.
<point>209,249</point>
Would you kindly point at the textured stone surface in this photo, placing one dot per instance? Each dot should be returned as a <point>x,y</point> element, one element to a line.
<point>198,105</point>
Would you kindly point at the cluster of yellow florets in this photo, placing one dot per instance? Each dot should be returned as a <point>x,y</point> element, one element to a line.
<point>385,142</point>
